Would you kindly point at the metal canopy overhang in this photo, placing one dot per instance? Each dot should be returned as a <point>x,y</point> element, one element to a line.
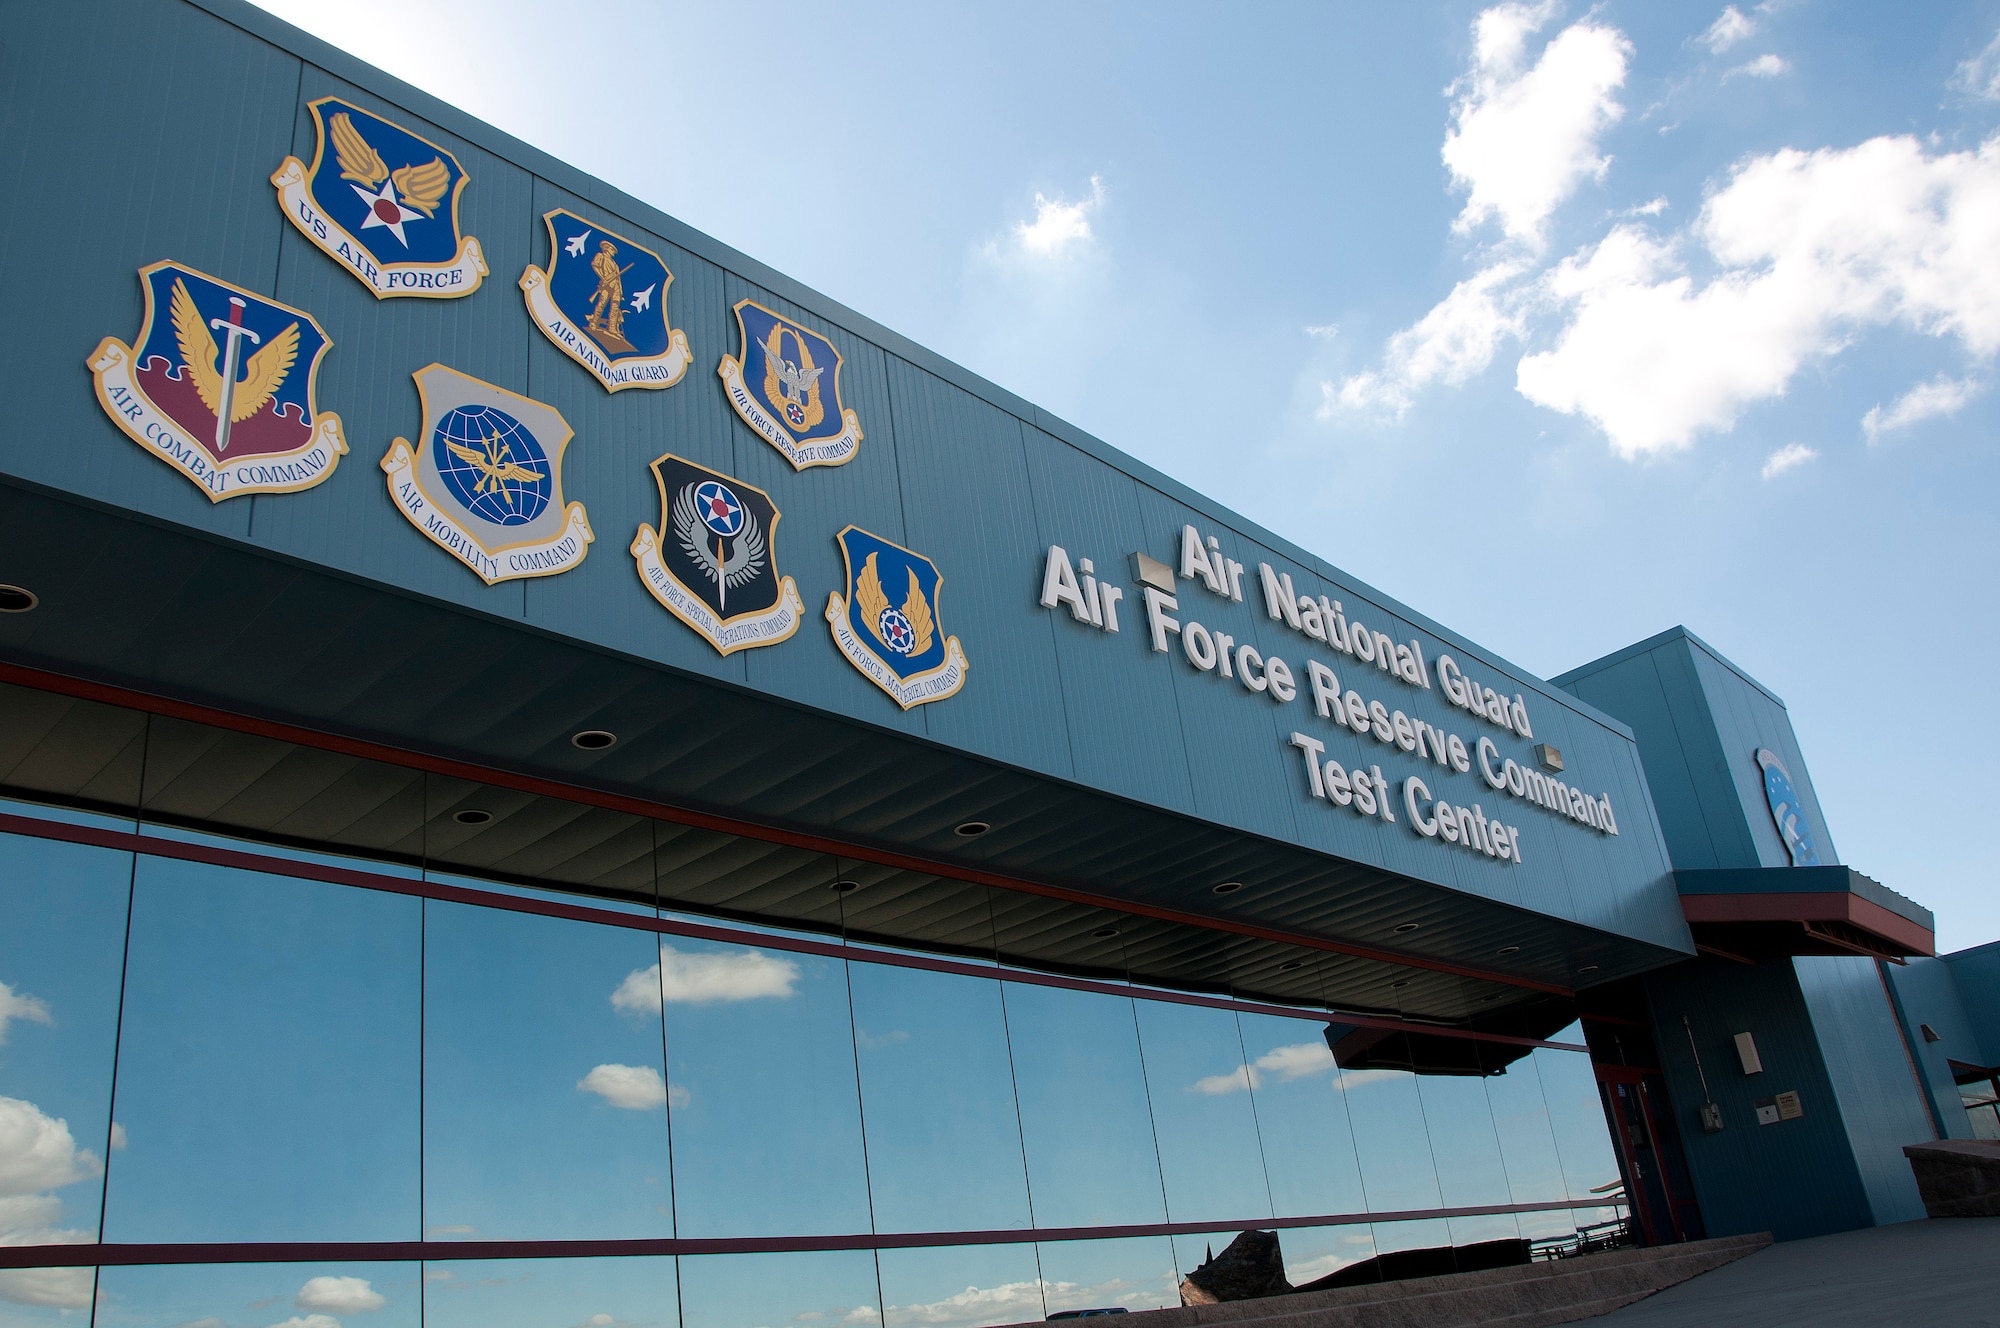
<point>285,697</point>
<point>1763,912</point>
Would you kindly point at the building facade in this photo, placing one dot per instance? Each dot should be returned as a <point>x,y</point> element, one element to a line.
<point>504,824</point>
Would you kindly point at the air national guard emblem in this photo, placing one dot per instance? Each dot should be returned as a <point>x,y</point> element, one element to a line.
<point>221,389</point>
<point>385,205</point>
<point>484,481</point>
<point>603,301</point>
<point>713,564</point>
<point>887,626</point>
<point>787,388</point>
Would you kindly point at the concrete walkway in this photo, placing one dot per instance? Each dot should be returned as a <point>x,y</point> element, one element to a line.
<point>1940,1274</point>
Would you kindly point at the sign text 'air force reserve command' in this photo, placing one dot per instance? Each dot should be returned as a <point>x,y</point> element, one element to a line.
<point>786,387</point>
<point>1353,721</point>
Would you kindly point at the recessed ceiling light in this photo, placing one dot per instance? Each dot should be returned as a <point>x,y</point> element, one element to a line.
<point>13,599</point>
<point>1291,964</point>
<point>592,740</point>
<point>845,887</point>
<point>1403,929</point>
<point>472,816</point>
<point>1587,968</point>
<point>1507,950</point>
<point>972,829</point>
<point>1105,933</point>
<point>1400,982</point>
<point>1228,887</point>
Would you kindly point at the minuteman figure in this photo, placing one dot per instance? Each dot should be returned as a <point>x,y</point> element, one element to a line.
<point>607,307</point>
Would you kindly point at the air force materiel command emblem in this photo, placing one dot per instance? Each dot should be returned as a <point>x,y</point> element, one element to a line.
<point>714,562</point>
<point>1786,811</point>
<point>385,205</point>
<point>603,302</point>
<point>787,388</point>
<point>221,388</point>
<point>887,626</point>
<point>485,479</point>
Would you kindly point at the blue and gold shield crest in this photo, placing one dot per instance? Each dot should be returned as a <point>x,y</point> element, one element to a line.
<point>887,624</point>
<point>786,386</point>
<point>603,302</point>
<point>383,202</point>
<point>1787,813</point>
<point>484,480</point>
<point>219,385</point>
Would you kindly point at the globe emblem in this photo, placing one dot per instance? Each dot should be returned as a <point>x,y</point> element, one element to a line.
<point>492,465</point>
<point>720,509</point>
<point>896,630</point>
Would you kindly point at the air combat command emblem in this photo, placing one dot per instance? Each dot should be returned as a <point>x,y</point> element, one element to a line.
<point>887,626</point>
<point>787,388</point>
<point>714,561</point>
<point>385,205</point>
<point>484,480</point>
<point>221,388</point>
<point>603,302</point>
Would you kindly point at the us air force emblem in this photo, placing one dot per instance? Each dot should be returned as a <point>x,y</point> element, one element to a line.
<point>221,389</point>
<point>386,205</point>
<point>603,302</point>
<point>713,564</point>
<point>787,388</point>
<point>484,480</point>
<point>887,625</point>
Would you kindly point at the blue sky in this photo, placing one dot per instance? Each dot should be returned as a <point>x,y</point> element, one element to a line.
<point>1560,324</point>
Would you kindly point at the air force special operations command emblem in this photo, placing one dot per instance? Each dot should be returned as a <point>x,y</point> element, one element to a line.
<point>484,480</point>
<point>887,625</point>
<point>713,562</point>
<point>787,388</point>
<point>384,203</point>
<point>603,302</point>
<point>220,386</point>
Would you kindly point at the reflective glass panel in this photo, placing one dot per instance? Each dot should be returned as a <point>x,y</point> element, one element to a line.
<point>545,1111</point>
<point>261,1295</point>
<point>1312,1253</point>
<point>766,1115</point>
<point>1459,1120</point>
<point>1576,1117</point>
<point>1387,1112</point>
<point>62,951</point>
<point>1527,1140</point>
<point>268,1064</point>
<point>638,1292</point>
<point>1200,1085</point>
<point>1302,1118</point>
<point>944,1143</point>
<point>960,1286</point>
<point>812,1289</point>
<point>1137,1274</point>
<point>1431,1235</point>
<point>1092,1160</point>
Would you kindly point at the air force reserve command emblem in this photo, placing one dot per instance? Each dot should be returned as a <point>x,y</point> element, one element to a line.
<point>485,479</point>
<point>220,386</point>
<point>787,388</point>
<point>384,203</point>
<point>603,302</point>
<point>887,625</point>
<point>714,561</point>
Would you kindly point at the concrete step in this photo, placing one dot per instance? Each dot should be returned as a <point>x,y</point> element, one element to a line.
<point>1526,1296</point>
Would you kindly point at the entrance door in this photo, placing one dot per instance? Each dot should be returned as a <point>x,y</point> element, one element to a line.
<point>1649,1154</point>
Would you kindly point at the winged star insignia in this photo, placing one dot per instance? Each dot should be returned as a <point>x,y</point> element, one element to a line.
<point>484,480</point>
<point>221,389</point>
<point>713,563</point>
<point>786,386</point>
<point>385,205</point>
<point>596,303</point>
<point>887,625</point>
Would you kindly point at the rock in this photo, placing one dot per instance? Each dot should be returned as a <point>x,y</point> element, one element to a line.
<point>1958,1177</point>
<point>1252,1266</point>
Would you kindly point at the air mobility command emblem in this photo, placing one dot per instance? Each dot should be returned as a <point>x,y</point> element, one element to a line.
<point>385,204</point>
<point>887,625</point>
<point>603,302</point>
<point>221,388</point>
<point>714,561</point>
<point>787,388</point>
<point>484,480</point>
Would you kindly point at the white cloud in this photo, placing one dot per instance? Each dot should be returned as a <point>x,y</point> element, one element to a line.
<point>1020,1302</point>
<point>1810,248</point>
<point>309,1321</point>
<point>1236,1081</point>
<point>19,1005</point>
<point>118,1137</point>
<point>631,1087</point>
<point>1942,395</point>
<point>1059,225</point>
<point>1789,457</point>
<point>1456,340</point>
<point>58,1288</point>
<point>37,1151</point>
<point>704,979</point>
<point>1280,1064</point>
<point>1764,66</point>
<point>340,1295</point>
<point>1980,75</point>
<point>457,1229</point>
<point>1651,208</point>
<point>206,1321</point>
<point>1731,26</point>
<point>1523,138</point>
